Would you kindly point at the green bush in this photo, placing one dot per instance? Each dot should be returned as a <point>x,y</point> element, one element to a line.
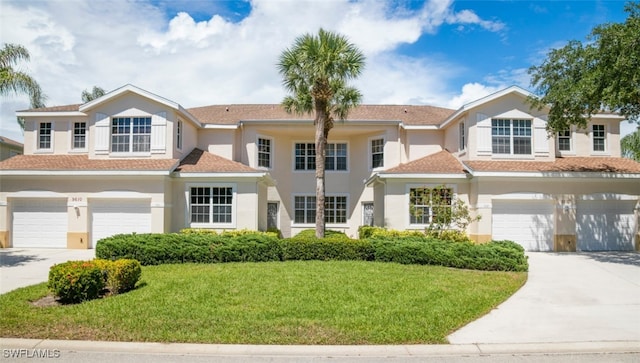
<point>76,281</point>
<point>450,235</point>
<point>119,275</point>
<point>311,233</point>
<point>332,248</point>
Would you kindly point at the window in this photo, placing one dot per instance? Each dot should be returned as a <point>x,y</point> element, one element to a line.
<point>462,140</point>
<point>44,136</point>
<point>564,140</point>
<point>131,134</point>
<point>427,205</point>
<point>79,135</point>
<point>511,136</point>
<point>264,153</point>
<point>211,205</point>
<point>377,153</point>
<point>335,209</point>
<point>179,135</point>
<point>305,156</point>
<point>599,137</point>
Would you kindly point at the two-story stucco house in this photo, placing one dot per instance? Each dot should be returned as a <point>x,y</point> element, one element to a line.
<point>132,161</point>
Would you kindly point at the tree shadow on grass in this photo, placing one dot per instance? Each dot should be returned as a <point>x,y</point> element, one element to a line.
<point>12,258</point>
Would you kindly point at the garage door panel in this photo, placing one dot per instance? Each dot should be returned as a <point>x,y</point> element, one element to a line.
<point>110,217</point>
<point>40,223</point>
<point>605,225</point>
<point>529,223</point>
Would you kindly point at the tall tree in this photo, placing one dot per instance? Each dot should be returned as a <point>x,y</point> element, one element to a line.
<point>96,92</point>
<point>13,81</point>
<point>630,145</point>
<point>315,71</point>
<point>580,80</point>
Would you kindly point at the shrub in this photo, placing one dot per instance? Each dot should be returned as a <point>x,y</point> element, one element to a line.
<point>332,248</point>
<point>311,233</point>
<point>451,235</point>
<point>119,275</point>
<point>76,281</point>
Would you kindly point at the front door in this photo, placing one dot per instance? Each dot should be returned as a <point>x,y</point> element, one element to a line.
<point>272,215</point>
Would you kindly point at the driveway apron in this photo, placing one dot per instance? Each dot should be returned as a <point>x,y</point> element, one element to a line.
<point>572,297</point>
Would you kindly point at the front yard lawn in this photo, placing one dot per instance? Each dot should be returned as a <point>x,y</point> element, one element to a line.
<point>294,302</point>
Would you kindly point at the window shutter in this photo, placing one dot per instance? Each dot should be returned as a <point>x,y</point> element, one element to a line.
<point>483,130</point>
<point>540,137</point>
<point>102,133</point>
<point>159,133</point>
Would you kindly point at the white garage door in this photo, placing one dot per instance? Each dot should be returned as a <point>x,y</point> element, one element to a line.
<point>605,225</point>
<point>111,217</point>
<point>39,223</point>
<point>527,222</point>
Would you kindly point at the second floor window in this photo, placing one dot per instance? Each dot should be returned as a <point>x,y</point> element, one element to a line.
<point>264,153</point>
<point>377,153</point>
<point>564,140</point>
<point>511,136</point>
<point>179,135</point>
<point>44,136</point>
<point>599,137</point>
<point>305,156</point>
<point>462,140</point>
<point>131,134</point>
<point>79,135</point>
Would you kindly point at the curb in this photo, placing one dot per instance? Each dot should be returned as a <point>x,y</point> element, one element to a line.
<point>323,350</point>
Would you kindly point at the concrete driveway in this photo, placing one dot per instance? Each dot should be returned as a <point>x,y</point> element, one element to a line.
<point>569,297</point>
<point>21,267</point>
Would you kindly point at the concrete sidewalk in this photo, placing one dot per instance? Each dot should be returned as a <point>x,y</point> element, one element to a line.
<point>572,297</point>
<point>20,267</point>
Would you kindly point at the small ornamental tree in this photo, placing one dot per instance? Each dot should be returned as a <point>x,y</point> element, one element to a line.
<point>444,211</point>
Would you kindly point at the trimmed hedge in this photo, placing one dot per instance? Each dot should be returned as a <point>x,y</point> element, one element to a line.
<point>76,281</point>
<point>119,275</point>
<point>407,248</point>
<point>329,233</point>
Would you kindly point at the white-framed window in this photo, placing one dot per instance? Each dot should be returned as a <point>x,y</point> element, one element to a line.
<point>335,209</point>
<point>335,156</point>
<point>45,136</point>
<point>367,213</point>
<point>511,136</point>
<point>79,138</point>
<point>211,205</point>
<point>599,138</point>
<point>265,152</point>
<point>426,206</point>
<point>179,132</point>
<point>377,153</point>
<point>461,133</point>
<point>564,141</point>
<point>131,134</point>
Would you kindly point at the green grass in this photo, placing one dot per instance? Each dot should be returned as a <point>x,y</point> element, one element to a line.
<point>312,302</point>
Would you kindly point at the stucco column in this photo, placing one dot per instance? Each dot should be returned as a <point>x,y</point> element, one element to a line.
<point>564,237</point>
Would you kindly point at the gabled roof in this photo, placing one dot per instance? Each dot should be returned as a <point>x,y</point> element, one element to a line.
<point>129,88</point>
<point>560,165</point>
<point>81,164</point>
<point>199,161</point>
<point>441,162</point>
<point>8,141</point>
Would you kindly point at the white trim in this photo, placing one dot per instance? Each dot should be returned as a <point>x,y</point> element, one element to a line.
<point>606,150</point>
<point>118,194</point>
<point>416,127</point>
<point>608,196</point>
<point>537,174</point>
<point>234,203</point>
<point>37,194</point>
<point>221,127</point>
<point>179,134</point>
<point>83,172</point>
<point>272,154</point>
<point>220,175</point>
<point>407,200</point>
<point>421,176</point>
<point>293,157</point>
<point>572,150</point>
<point>370,151</point>
<point>124,89</point>
<point>72,131</point>
<point>522,196</point>
<point>49,114</point>
<point>52,133</point>
<point>311,225</point>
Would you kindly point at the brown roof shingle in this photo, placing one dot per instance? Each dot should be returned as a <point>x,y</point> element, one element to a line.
<point>8,141</point>
<point>63,108</point>
<point>564,164</point>
<point>441,162</point>
<point>83,163</point>
<point>199,161</point>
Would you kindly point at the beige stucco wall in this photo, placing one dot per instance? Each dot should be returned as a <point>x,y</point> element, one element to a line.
<point>61,135</point>
<point>217,141</point>
<point>423,142</point>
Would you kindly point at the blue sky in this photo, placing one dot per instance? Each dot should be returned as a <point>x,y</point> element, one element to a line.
<point>199,52</point>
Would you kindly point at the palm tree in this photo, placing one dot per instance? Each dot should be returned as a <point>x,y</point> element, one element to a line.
<point>315,71</point>
<point>630,145</point>
<point>96,92</point>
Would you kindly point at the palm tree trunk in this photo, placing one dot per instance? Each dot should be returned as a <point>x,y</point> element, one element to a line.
<point>321,146</point>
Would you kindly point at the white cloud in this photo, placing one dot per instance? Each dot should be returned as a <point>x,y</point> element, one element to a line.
<point>81,43</point>
<point>471,92</point>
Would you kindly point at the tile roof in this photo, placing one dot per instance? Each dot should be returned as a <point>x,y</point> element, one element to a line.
<point>199,161</point>
<point>563,164</point>
<point>441,162</point>
<point>409,115</point>
<point>8,141</point>
<point>64,108</point>
<point>83,163</point>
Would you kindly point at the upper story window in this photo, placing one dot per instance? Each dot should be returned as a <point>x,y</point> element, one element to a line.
<point>264,153</point>
<point>462,140</point>
<point>564,140</point>
<point>377,153</point>
<point>44,136</point>
<point>131,134</point>
<point>336,156</point>
<point>511,136</point>
<point>79,135</point>
<point>179,135</point>
<point>599,137</point>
